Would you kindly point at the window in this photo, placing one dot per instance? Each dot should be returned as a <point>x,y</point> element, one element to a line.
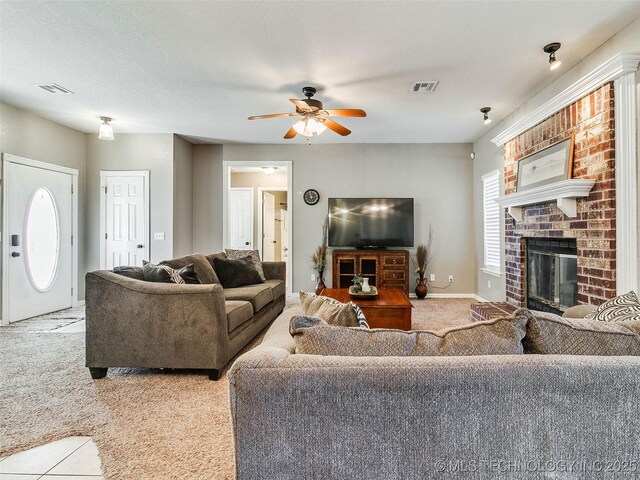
<point>490,193</point>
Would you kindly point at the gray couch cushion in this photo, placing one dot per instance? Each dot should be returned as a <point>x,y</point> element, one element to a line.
<point>277,287</point>
<point>238,312</point>
<point>499,336</point>
<point>551,334</point>
<point>201,266</point>
<point>259,295</point>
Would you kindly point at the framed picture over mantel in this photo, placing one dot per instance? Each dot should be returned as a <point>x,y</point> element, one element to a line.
<point>553,164</point>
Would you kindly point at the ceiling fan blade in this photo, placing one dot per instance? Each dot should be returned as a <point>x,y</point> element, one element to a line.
<point>273,115</point>
<point>347,112</point>
<point>290,133</point>
<point>300,104</point>
<point>336,127</point>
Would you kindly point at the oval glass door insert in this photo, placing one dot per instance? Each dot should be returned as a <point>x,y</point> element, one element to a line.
<point>42,235</point>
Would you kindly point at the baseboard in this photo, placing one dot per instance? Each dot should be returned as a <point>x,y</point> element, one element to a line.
<point>448,295</point>
<point>480,299</point>
<point>79,303</point>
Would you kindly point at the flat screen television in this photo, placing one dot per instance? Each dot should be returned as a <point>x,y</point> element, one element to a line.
<point>371,222</point>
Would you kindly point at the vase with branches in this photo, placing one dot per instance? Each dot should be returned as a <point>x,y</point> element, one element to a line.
<point>319,258</point>
<point>424,255</point>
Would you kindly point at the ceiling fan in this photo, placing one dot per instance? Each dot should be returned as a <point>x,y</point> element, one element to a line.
<point>315,118</point>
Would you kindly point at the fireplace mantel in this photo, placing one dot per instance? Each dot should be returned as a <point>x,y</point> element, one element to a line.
<point>564,193</point>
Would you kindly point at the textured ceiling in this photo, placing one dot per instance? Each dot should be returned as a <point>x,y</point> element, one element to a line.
<point>200,69</point>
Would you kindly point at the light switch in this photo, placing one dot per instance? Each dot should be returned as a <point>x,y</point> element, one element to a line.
<point>158,236</point>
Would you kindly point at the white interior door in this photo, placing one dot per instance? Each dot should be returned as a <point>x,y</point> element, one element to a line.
<point>284,236</point>
<point>125,219</point>
<point>241,218</point>
<point>268,226</point>
<point>39,231</point>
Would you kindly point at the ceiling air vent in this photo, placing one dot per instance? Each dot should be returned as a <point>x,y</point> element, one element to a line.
<point>426,86</point>
<point>53,88</point>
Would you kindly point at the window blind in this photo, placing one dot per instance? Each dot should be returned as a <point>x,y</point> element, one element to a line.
<point>491,192</point>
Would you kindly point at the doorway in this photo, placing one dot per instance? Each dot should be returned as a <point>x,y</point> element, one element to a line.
<point>40,223</point>
<point>124,218</point>
<point>270,184</point>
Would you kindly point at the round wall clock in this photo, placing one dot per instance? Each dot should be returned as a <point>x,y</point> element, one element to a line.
<point>311,197</point>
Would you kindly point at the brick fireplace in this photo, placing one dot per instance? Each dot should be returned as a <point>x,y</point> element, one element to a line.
<point>591,119</point>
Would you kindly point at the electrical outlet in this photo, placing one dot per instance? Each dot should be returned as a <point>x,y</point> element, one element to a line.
<point>313,277</point>
<point>488,283</point>
<point>450,278</point>
<point>158,236</point>
<point>432,277</point>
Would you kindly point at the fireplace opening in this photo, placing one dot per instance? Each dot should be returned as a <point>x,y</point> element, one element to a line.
<point>552,274</point>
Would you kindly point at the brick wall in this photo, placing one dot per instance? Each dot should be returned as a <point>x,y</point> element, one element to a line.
<point>591,119</point>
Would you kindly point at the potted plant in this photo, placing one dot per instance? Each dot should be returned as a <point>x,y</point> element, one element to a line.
<point>423,257</point>
<point>319,259</point>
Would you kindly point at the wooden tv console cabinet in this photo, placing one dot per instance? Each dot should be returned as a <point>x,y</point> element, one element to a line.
<point>383,268</point>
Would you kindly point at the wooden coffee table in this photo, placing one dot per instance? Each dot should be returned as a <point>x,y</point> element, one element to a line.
<point>391,308</point>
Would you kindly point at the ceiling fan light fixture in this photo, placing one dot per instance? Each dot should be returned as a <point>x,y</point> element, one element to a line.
<point>269,170</point>
<point>106,131</point>
<point>551,49</point>
<point>309,127</point>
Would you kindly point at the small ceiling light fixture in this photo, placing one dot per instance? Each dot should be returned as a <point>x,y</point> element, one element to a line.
<point>551,49</point>
<point>269,170</point>
<point>106,131</point>
<point>485,111</point>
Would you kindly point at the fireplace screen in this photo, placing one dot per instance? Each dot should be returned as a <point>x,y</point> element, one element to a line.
<point>552,283</point>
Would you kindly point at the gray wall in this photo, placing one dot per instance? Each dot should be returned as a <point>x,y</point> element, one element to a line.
<point>207,198</point>
<point>152,152</point>
<point>182,197</point>
<point>490,157</point>
<point>28,135</point>
<point>438,176</point>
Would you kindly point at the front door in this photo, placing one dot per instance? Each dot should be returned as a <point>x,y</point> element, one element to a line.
<point>39,235</point>
<point>125,219</point>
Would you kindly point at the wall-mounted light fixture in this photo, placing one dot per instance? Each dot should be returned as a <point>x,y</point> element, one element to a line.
<point>485,111</point>
<point>551,49</point>
<point>106,131</point>
<point>269,170</point>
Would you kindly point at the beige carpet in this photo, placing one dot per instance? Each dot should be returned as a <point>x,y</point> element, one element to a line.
<point>147,424</point>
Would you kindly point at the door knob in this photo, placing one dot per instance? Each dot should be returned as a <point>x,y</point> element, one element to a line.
<point>140,246</point>
<point>15,254</point>
<point>246,243</point>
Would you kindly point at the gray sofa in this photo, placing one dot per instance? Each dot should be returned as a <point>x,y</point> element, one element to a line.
<point>133,323</point>
<point>382,418</point>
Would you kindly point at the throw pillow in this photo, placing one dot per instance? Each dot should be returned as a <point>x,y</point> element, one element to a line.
<point>201,266</point>
<point>362,320</point>
<point>623,307</point>
<point>129,272</point>
<point>236,273</point>
<point>160,273</point>
<point>579,311</point>
<point>551,334</point>
<point>252,254</point>
<point>330,310</point>
<point>498,336</point>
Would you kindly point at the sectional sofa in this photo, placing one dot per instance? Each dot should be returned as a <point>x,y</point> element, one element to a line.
<point>134,323</point>
<point>412,418</point>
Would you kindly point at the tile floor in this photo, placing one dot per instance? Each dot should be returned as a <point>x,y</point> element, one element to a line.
<point>73,458</point>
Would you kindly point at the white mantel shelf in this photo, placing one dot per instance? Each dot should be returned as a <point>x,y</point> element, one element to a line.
<point>565,193</point>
